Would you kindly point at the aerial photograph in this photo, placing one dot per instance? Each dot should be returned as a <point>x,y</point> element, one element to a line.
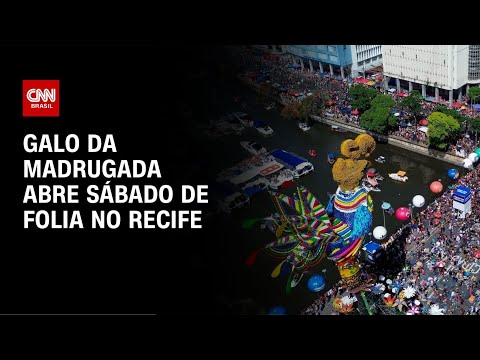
<point>344,178</point>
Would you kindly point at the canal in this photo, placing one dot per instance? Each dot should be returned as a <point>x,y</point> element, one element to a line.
<point>234,288</point>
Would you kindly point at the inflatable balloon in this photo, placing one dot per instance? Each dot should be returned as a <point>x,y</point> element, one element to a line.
<point>316,283</point>
<point>277,310</point>
<point>467,163</point>
<point>453,174</point>
<point>436,187</point>
<point>473,157</point>
<point>477,151</point>
<point>402,213</point>
<point>379,233</point>
<point>418,201</point>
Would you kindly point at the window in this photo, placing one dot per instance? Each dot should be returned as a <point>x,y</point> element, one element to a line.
<point>333,58</point>
<point>322,56</point>
<point>332,49</point>
<point>322,47</point>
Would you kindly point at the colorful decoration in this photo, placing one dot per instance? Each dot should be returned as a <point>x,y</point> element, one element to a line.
<point>473,157</point>
<point>418,201</point>
<point>453,174</point>
<point>436,187</point>
<point>436,310</point>
<point>277,310</point>
<point>402,213</point>
<point>379,233</point>
<point>316,283</point>
<point>389,300</point>
<point>336,231</point>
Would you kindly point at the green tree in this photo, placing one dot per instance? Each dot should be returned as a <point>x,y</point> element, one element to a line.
<point>308,107</point>
<point>474,94</point>
<point>291,111</point>
<point>442,129</point>
<point>413,103</point>
<point>474,125</point>
<point>362,97</point>
<point>378,119</point>
<point>384,101</point>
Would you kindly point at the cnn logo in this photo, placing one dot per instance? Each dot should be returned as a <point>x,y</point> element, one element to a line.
<point>37,95</point>
<point>41,98</point>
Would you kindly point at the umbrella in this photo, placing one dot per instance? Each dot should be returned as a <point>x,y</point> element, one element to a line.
<point>396,114</point>
<point>477,254</point>
<point>423,122</point>
<point>440,264</point>
<point>355,112</point>
<point>403,124</point>
<point>436,221</point>
<point>386,206</point>
<point>457,105</point>
<point>438,214</point>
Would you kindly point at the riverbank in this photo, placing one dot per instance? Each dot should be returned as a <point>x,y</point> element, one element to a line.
<point>395,141</point>
<point>392,140</point>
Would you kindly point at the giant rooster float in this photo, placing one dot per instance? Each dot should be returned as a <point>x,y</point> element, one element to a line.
<point>337,231</point>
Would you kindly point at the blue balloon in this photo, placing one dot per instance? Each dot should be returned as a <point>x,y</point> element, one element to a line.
<point>316,283</point>
<point>277,310</point>
<point>453,174</point>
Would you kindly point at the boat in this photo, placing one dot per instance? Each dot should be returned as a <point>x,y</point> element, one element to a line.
<point>253,147</point>
<point>276,179</point>
<point>380,159</point>
<point>297,277</point>
<point>304,126</point>
<point>299,165</point>
<point>370,184</point>
<point>338,128</point>
<point>263,128</point>
<point>399,176</point>
<point>234,201</point>
<point>379,177</point>
<point>369,187</point>
<point>270,106</point>
<point>233,122</point>
<point>331,158</point>
<point>244,118</point>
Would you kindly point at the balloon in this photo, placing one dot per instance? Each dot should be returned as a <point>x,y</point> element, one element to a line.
<point>402,213</point>
<point>473,157</point>
<point>477,151</point>
<point>467,163</point>
<point>316,283</point>
<point>277,310</point>
<point>436,187</point>
<point>418,201</point>
<point>453,174</point>
<point>379,233</point>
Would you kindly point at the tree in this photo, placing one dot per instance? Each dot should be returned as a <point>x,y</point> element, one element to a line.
<point>377,119</point>
<point>291,111</point>
<point>474,125</point>
<point>413,103</point>
<point>442,129</point>
<point>308,107</point>
<point>362,97</point>
<point>384,101</point>
<point>474,94</point>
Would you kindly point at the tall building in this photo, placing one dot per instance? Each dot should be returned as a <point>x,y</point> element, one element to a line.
<point>365,58</point>
<point>336,59</point>
<point>444,71</point>
<point>344,60</point>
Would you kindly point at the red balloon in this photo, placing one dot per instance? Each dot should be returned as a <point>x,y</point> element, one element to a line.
<point>436,187</point>
<point>402,213</point>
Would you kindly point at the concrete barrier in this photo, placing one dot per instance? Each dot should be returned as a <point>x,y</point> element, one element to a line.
<point>395,141</point>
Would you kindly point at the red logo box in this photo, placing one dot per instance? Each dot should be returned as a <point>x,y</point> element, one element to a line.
<point>41,98</point>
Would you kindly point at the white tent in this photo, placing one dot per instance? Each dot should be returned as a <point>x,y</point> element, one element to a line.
<point>423,129</point>
<point>392,90</point>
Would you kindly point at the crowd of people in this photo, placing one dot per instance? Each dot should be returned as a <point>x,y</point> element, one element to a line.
<point>303,80</point>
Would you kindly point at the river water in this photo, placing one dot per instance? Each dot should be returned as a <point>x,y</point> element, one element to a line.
<point>233,283</point>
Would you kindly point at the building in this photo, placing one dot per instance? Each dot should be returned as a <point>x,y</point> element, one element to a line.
<point>336,59</point>
<point>365,58</point>
<point>439,71</point>
<point>344,60</point>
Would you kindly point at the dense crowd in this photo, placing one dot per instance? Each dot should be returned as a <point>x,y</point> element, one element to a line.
<point>302,80</point>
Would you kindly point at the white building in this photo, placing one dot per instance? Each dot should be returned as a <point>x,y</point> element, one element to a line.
<point>364,58</point>
<point>436,70</point>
